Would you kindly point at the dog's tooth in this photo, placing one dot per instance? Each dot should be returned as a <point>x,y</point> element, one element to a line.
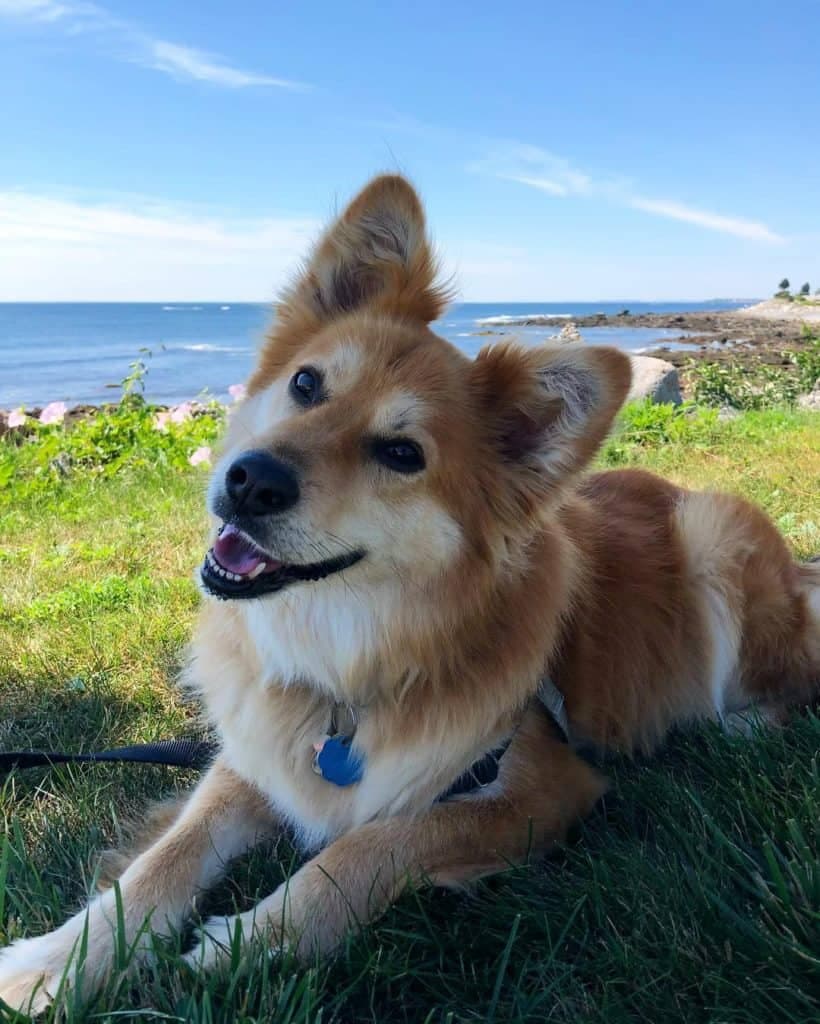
<point>259,569</point>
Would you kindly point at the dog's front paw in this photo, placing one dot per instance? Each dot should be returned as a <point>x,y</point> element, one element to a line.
<point>31,972</point>
<point>213,942</point>
<point>217,938</point>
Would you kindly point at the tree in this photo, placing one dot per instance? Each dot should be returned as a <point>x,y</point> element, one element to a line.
<point>805,289</point>
<point>784,285</point>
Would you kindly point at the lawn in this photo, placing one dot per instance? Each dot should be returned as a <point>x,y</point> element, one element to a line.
<point>691,894</point>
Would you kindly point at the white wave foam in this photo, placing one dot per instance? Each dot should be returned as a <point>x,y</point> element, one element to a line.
<point>213,348</point>
<point>488,321</point>
<point>186,308</point>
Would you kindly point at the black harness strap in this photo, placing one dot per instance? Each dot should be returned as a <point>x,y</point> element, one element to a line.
<point>480,774</point>
<point>173,753</point>
<point>485,770</point>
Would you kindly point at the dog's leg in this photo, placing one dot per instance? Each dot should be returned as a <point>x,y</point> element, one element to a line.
<point>155,822</point>
<point>221,819</point>
<point>541,791</point>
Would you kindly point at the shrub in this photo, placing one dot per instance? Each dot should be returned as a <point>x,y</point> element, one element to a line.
<point>645,425</point>
<point>758,386</point>
<point>131,434</point>
<point>807,361</point>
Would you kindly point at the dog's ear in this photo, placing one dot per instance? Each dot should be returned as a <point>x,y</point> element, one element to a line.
<point>548,409</point>
<point>376,254</point>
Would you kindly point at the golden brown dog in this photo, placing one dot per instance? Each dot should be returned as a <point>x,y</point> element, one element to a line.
<point>404,547</point>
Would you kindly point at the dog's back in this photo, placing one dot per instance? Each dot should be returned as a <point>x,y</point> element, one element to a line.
<point>693,607</point>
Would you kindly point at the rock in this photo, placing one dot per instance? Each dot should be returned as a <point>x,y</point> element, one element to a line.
<point>569,334</point>
<point>728,412</point>
<point>655,379</point>
<point>810,401</point>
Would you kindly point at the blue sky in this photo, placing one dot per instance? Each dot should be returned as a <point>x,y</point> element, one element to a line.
<point>608,150</point>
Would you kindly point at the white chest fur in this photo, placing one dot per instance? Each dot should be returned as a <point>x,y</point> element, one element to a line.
<point>270,682</point>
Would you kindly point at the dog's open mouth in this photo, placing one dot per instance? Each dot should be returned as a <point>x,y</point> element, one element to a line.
<point>236,567</point>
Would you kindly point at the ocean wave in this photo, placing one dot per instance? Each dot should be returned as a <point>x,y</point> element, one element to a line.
<point>185,308</point>
<point>532,318</point>
<point>214,348</point>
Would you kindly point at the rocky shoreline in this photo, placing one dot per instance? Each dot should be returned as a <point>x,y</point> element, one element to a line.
<point>737,335</point>
<point>750,336</point>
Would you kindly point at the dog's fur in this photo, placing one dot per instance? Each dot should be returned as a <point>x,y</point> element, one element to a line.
<point>648,605</point>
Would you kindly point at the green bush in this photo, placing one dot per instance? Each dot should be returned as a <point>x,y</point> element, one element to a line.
<point>807,361</point>
<point>760,386</point>
<point>129,435</point>
<point>646,425</point>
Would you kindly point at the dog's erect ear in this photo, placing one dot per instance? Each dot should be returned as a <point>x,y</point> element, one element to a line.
<point>548,409</point>
<point>376,254</point>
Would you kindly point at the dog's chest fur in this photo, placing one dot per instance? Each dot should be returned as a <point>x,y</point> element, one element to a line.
<point>269,682</point>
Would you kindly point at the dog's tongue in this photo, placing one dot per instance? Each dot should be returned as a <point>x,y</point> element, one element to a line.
<point>237,553</point>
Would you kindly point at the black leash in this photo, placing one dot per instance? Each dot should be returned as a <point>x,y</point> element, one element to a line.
<point>172,753</point>
<point>197,754</point>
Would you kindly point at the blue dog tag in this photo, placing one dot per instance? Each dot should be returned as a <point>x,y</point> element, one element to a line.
<point>335,761</point>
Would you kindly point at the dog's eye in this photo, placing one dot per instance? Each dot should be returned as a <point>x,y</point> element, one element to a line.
<point>400,454</point>
<point>306,386</point>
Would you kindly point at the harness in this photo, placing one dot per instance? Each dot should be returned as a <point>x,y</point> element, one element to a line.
<point>197,754</point>
<point>485,770</point>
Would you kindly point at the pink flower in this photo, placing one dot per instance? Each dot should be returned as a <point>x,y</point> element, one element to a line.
<point>237,392</point>
<point>54,412</point>
<point>201,455</point>
<point>181,413</point>
<point>161,420</point>
<point>16,418</point>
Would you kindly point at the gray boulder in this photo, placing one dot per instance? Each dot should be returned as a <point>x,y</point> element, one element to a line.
<point>655,379</point>
<point>811,401</point>
<point>569,333</point>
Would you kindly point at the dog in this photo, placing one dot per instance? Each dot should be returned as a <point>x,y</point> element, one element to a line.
<point>405,553</point>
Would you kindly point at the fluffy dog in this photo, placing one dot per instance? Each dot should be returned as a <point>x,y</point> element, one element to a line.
<point>404,549</point>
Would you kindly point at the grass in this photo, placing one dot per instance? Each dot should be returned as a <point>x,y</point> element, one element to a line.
<point>691,895</point>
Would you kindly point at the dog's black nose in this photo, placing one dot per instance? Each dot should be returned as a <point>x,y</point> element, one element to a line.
<point>260,485</point>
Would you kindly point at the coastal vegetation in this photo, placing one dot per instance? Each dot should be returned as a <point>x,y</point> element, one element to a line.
<point>802,295</point>
<point>755,383</point>
<point>690,895</point>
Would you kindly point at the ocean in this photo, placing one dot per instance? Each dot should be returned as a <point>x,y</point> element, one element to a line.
<point>80,352</point>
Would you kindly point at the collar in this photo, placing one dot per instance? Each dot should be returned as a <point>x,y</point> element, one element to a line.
<point>484,771</point>
<point>336,761</point>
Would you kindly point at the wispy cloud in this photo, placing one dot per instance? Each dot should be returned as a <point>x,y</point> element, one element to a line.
<point>27,216</point>
<point>128,41</point>
<point>130,247</point>
<point>39,10</point>
<point>186,62</point>
<point>703,218</point>
<point>545,171</point>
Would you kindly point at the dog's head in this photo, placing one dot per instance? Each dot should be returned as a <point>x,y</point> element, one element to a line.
<point>371,450</point>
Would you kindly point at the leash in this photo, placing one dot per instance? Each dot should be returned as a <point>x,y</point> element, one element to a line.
<point>197,754</point>
<point>171,753</point>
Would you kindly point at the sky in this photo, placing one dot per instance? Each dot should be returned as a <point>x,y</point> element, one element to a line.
<point>159,151</point>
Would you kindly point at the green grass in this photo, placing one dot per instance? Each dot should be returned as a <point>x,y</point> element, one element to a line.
<point>692,894</point>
